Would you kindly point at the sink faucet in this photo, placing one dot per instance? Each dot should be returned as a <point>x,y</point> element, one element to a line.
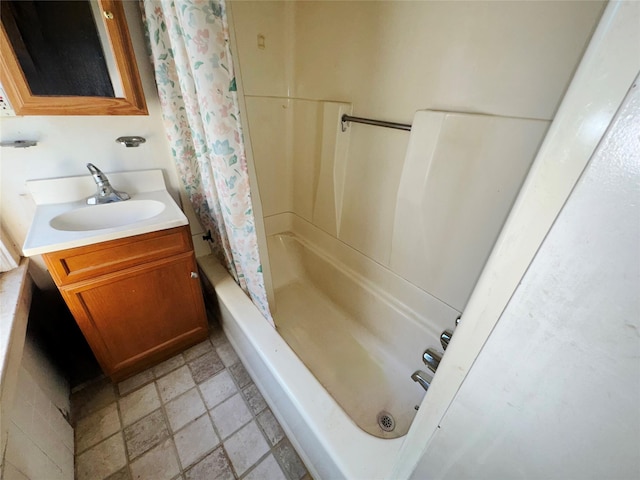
<point>422,378</point>
<point>106,193</point>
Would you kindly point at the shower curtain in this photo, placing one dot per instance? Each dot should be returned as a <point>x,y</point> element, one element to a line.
<point>189,41</point>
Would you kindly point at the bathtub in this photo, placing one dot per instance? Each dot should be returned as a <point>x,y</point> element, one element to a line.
<point>343,351</point>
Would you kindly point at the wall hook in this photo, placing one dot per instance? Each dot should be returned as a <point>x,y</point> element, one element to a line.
<point>131,141</point>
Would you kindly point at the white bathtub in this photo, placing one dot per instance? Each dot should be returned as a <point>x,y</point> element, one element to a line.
<point>359,345</point>
<point>389,337</point>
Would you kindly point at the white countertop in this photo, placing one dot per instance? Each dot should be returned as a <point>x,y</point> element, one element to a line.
<point>60,195</point>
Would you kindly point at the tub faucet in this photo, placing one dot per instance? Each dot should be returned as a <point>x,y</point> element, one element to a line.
<point>106,193</point>
<point>431,359</point>
<point>422,378</point>
<point>445,338</point>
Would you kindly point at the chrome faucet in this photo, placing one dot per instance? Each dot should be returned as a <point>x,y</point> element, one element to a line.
<point>445,338</point>
<point>106,193</point>
<point>431,359</point>
<point>422,378</point>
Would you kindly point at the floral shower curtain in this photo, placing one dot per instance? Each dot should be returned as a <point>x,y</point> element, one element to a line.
<point>190,52</point>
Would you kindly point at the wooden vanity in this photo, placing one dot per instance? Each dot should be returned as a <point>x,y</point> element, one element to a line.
<point>137,300</point>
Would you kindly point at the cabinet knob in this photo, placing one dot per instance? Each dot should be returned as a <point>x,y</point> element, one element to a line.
<point>108,15</point>
<point>194,275</point>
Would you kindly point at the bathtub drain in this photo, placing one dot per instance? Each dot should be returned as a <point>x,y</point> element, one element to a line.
<point>386,421</point>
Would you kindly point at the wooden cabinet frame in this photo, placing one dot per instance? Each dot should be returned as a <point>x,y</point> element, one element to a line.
<point>137,300</point>
<point>25,103</point>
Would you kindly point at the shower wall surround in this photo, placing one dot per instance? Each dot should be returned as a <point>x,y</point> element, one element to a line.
<point>388,60</point>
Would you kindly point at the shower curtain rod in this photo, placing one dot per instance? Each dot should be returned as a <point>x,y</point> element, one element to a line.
<point>380,123</point>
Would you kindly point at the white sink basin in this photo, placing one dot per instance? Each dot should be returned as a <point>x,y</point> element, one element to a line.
<point>63,219</point>
<point>108,215</point>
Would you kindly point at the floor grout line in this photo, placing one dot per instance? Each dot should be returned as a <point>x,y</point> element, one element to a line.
<point>217,340</point>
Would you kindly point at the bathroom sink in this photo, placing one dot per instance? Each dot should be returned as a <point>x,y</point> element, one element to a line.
<point>109,215</point>
<point>63,220</point>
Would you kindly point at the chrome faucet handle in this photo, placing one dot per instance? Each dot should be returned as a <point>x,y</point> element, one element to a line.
<point>97,174</point>
<point>106,193</point>
<point>431,359</point>
<point>445,338</point>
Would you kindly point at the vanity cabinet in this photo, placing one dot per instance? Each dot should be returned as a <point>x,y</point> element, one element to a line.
<point>137,300</point>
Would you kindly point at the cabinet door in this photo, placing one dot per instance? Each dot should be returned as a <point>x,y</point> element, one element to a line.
<point>142,315</point>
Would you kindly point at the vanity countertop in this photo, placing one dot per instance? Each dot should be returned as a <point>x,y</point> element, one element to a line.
<point>58,196</point>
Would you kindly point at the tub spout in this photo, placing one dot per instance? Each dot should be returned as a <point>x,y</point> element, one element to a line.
<point>422,378</point>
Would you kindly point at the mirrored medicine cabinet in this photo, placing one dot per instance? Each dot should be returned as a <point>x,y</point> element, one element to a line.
<point>68,58</point>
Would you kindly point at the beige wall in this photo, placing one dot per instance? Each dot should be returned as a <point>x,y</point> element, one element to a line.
<point>392,58</point>
<point>389,60</point>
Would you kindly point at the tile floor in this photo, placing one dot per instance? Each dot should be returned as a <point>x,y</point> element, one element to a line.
<point>195,416</point>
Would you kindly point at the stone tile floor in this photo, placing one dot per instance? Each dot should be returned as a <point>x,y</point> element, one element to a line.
<point>195,416</point>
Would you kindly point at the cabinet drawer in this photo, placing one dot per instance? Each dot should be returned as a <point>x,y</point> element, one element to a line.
<point>82,263</point>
